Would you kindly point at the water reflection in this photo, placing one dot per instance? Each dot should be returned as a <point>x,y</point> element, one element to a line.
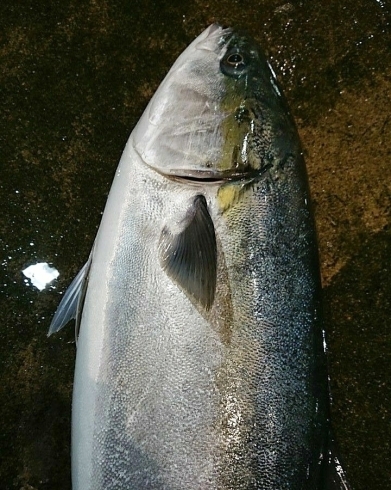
<point>40,275</point>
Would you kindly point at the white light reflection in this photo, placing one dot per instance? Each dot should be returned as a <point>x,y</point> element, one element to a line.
<point>273,80</point>
<point>40,275</point>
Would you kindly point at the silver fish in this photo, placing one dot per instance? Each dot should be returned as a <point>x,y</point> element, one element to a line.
<point>200,360</point>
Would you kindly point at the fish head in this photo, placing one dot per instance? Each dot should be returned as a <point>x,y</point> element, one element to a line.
<point>218,115</point>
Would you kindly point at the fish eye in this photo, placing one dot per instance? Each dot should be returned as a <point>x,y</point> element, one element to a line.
<point>234,59</point>
<point>233,64</point>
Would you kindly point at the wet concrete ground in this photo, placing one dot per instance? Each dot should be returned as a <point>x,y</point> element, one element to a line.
<point>75,77</point>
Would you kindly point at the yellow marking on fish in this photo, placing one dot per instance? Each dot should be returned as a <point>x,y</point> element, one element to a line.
<point>234,135</point>
<point>238,129</point>
<point>228,195</point>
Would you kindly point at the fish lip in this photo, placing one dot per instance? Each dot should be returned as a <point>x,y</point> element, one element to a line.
<point>218,31</point>
<point>212,177</point>
<point>209,176</point>
<point>241,173</point>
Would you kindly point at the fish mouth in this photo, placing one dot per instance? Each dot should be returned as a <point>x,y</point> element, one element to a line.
<point>213,33</point>
<point>213,176</point>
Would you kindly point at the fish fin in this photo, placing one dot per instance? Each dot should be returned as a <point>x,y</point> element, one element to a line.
<point>189,256</point>
<point>71,304</point>
<point>335,477</point>
<point>82,295</point>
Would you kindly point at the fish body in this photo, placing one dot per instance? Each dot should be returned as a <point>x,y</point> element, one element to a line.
<point>200,360</point>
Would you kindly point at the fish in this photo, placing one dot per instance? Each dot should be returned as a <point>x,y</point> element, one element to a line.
<point>201,358</point>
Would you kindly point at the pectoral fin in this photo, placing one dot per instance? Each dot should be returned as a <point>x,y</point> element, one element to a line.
<point>71,304</point>
<point>189,255</point>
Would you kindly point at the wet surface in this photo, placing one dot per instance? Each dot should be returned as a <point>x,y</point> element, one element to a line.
<point>75,78</point>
